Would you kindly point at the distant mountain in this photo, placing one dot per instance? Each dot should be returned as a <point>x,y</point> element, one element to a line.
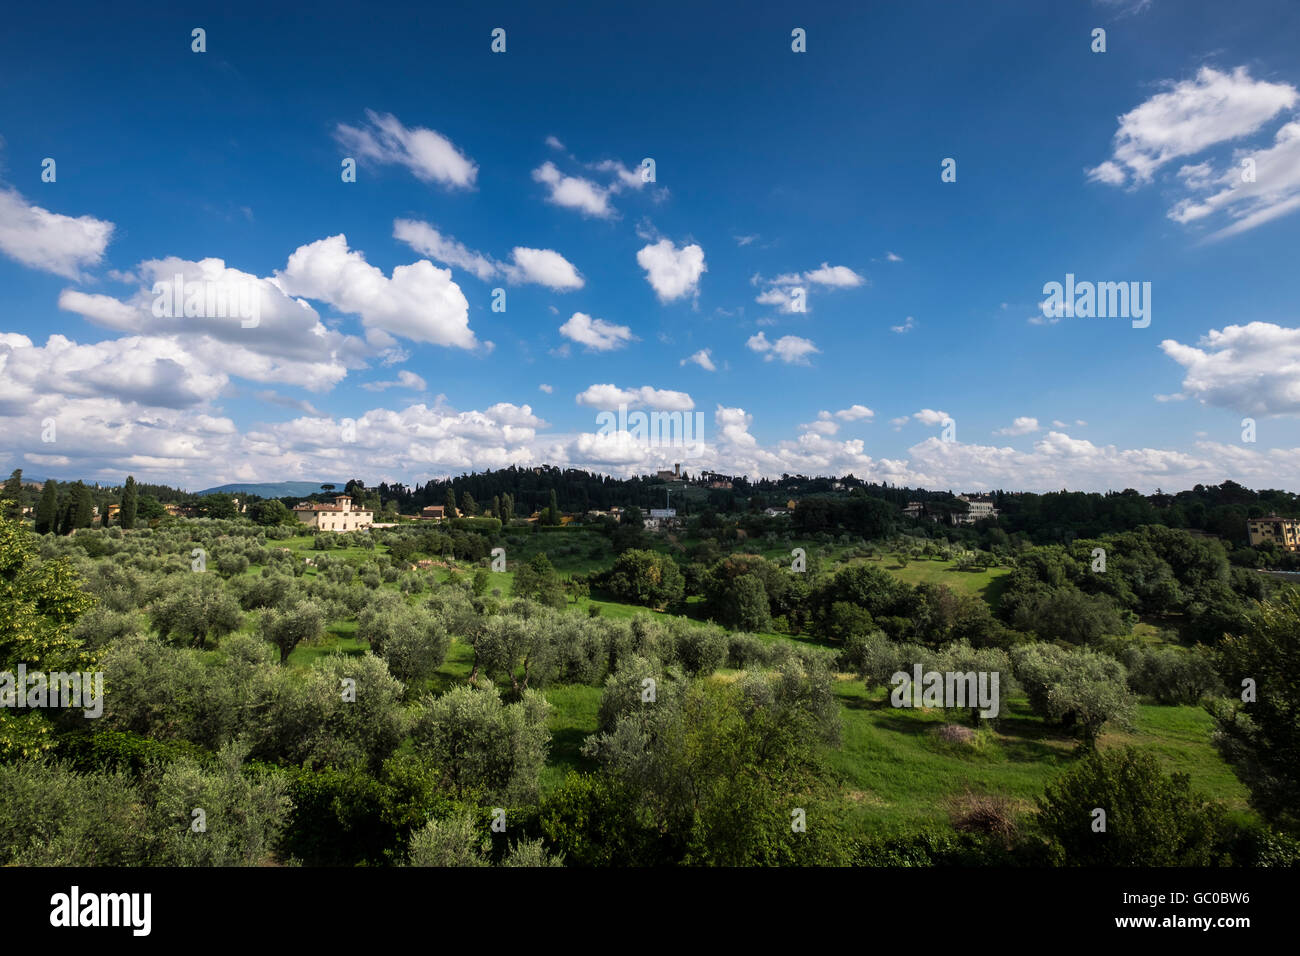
<point>273,489</point>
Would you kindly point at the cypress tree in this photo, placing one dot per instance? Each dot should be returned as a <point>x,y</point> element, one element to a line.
<point>47,508</point>
<point>449,505</point>
<point>13,494</point>
<point>84,506</point>
<point>130,502</point>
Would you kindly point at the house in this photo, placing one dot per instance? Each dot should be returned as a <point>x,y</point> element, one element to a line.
<point>914,509</point>
<point>777,512</point>
<point>674,475</point>
<point>661,518</point>
<point>339,516</point>
<point>1274,529</point>
<point>978,508</point>
<point>432,513</point>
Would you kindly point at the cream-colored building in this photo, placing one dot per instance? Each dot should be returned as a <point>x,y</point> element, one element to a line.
<point>339,516</point>
<point>977,509</point>
<point>1274,529</point>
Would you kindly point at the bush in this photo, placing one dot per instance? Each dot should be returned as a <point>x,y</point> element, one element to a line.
<point>1151,818</point>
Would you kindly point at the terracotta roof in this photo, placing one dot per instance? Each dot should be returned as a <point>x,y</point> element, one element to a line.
<point>324,507</point>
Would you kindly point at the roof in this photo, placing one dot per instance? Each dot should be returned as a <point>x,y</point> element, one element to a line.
<point>325,507</point>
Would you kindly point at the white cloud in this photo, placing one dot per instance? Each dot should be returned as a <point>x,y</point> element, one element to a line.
<point>673,273</point>
<point>289,344</point>
<point>854,413</point>
<point>624,178</point>
<point>890,257</point>
<point>840,277</point>
<point>50,241</point>
<point>780,291</point>
<point>907,326</point>
<point>1023,425</point>
<point>574,192</point>
<point>1253,369</point>
<point>420,302</point>
<point>609,397</point>
<point>548,389</point>
<point>1274,190</point>
<point>543,267</point>
<point>554,143</point>
<point>790,349</point>
<point>746,240</point>
<point>537,266</point>
<point>428,241</point>
<point>429,155</point>
<point>701,358</point>
<point>928,416</point>
<point>1190,116</point>
<point>405,379</point>
<point>596,334</point>
<point>153,371</point>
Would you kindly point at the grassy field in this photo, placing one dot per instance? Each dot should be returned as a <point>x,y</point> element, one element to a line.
<point>896,773</point>
<point>987,583</point>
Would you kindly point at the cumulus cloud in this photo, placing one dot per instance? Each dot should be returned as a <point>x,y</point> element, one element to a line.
<point>153,371</point>
<point>288,344</point>
<point>928,416</point>
<point>1253,369</point>
<point>50,241</point>
<point>537,266</point>
<point>780,291</point>
<point>701,358</point>
<point>1190,116</point>
<point>574,192</point>
<point>596,334</point>
<point>543,267</point>
<point>1245,190</point>
<point>548,389</point>
<point>429,155</point>
<point>1271,190</point>
<point>840,277</point>
<point>672,272</point>
<point>609,397</point>
<point>790,349</point>
<point>1023,425</point>
<point>428,241</point>
<point>405,379</point>
<point>855,413</point>
<point>420,302</point>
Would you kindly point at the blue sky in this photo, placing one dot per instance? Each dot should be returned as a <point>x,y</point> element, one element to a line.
<point>774,171</point>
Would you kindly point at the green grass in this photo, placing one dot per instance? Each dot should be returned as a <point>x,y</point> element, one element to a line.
<point>988,583</point>
<point>895,774</point>
<point>573,719</point>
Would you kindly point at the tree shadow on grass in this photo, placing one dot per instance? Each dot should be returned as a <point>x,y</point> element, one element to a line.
<point>566,749</point>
